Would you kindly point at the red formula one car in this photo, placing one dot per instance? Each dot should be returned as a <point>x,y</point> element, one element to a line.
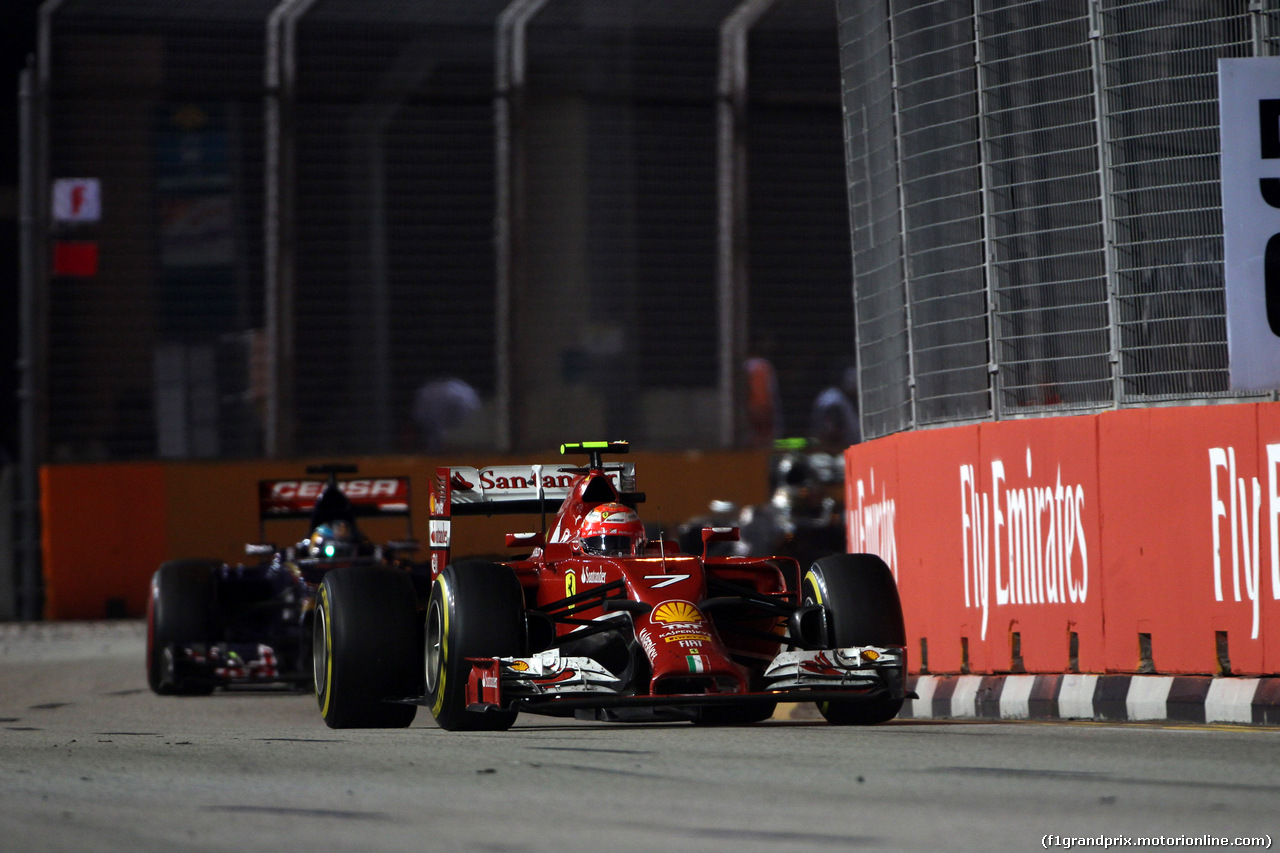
<point>597,622</point>
<point>211,624</point>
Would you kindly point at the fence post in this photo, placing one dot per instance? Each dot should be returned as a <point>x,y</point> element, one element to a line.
<point>33,207</point>
<point>988,249</point>
<point>509,152</point>
<point>279,243</point>
<point>1258,29</point>
<point>31,399</point>
<point>908,322</point>
<point>731,192</point>
<point>1106,197</point>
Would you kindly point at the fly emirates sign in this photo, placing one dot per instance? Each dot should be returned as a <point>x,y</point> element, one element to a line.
<point>1028,533</point>
<point>1237,504</point>
<point>1023,537</point>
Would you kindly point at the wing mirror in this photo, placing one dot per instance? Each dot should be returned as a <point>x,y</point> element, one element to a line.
<point>718,534</point>
<point>525,540</point>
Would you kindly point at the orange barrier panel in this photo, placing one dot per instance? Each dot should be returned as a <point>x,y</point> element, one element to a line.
<point>1046,601</point>
<point>1188,511</point>
<point>103,536</point>
<point>914,536</point>
<point>1267,568</point>
<point>1137,540</point>
<point>213,506</point>
<point>107,527</point>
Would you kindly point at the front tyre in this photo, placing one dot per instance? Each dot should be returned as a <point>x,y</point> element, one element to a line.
<point>476,610</point>
<point>180,615</point>
<point>862,607</point>
<point>365,648</point>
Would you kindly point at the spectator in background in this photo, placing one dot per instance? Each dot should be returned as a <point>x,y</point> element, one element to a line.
<point>439,406</point>
<point>764,407</point>
<point>834,419</point>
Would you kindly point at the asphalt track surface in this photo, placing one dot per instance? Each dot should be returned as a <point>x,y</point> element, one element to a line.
<point>90,760</point>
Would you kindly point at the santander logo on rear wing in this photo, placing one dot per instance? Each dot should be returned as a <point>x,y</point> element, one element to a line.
<point>504,484</point>
<point>501,490</point>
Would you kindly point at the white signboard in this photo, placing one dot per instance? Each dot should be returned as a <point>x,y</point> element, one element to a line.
<point>1249,116</point>
<point>77,200</point>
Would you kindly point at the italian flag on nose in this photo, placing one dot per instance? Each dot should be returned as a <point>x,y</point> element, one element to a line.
<point>697,663</point>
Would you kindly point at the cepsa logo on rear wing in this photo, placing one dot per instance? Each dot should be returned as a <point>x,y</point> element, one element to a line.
<point>369,496</point>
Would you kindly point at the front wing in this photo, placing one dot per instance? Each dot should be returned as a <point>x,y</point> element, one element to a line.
<point>231,664</point>
<point>549,683</point>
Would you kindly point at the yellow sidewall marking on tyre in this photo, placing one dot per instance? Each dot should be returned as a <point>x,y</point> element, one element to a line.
<point>813,582</point>
<point>323,604</point>
<point>438,705</point>
<point>817,599</point>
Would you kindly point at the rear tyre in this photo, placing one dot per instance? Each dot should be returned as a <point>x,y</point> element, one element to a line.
<point>179,614</point>
<point>475,610</point>
<point>863,609</point>
<point>365,648</point>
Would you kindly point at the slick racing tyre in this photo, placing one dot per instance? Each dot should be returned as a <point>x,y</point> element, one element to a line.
<point>862,608</point>
<point>179,614</point>
<point>365,648</point>
<point>476,610</point>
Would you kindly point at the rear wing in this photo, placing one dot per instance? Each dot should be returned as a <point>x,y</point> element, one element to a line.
<point>370,497</point>
<point>505,490</point>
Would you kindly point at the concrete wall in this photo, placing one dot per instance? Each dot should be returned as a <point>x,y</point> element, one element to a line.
<point>1142,540</point>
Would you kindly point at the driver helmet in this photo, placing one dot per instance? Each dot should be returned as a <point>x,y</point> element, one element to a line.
<point>612,530</point>
<point>333,539</point>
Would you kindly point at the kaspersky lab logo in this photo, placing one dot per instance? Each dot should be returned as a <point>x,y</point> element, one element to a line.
<point>681,622</point>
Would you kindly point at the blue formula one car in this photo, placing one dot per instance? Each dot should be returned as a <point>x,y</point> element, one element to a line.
<point>211,624</point>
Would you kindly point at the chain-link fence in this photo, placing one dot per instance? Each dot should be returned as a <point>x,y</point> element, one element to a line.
<point>338,227</point>
<point>314,208</point>
<point>164,110</point>
<point>1035,203</point>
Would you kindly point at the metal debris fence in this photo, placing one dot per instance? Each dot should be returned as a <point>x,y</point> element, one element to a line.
<point>1035,205</point>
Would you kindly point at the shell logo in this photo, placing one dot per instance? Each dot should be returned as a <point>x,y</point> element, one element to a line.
<point>669,612</point>
<point>520,666</point>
